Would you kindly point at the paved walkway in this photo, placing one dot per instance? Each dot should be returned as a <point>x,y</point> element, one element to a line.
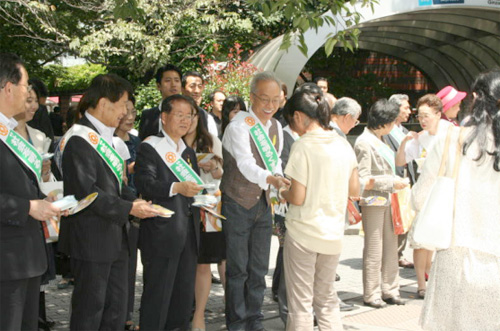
<point>349,289</point>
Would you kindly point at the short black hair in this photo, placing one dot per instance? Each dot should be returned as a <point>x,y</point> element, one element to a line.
<point>109,86</point>
<point>165,68</point>
<point>211,96</point>
<point>42,91</point>
<point>10,68</point>
<point>312,104</point>
<point>168,104</point>
<point>382,112</point>
<point>191,74</point>
<point>317,79</point>
<point>309,87</point>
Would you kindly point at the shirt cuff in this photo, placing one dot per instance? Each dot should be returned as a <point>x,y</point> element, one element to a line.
<point>263,180</point>
<point>170,193</point>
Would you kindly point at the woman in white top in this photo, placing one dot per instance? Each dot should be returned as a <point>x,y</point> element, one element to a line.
<point>323,171</point>
<point>464,285</point>
<point>35,137</point>
<point>415,147</point>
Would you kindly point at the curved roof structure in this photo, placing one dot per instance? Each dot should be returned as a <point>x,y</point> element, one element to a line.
<point>450,42</point>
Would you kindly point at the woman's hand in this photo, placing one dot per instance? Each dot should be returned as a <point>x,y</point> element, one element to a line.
<point>400,183</point>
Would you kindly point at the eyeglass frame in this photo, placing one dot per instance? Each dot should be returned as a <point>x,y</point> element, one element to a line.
<point>267,101</point>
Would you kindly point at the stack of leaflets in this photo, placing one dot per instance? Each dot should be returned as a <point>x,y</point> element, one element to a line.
<point>163,212</point>
<point>74,206</point>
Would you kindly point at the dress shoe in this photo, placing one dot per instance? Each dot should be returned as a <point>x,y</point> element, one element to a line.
<point>337,277</point>
<point>395,301</point>
<point>347,306</point>
<point>404,263</point>
<point>377,303</point>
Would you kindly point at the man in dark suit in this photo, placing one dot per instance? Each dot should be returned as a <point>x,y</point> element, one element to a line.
<point>168,82</point>
<point>193,85</point>
<point>22,247</point>
<point>393,141</point>
<point>169,247</point>
<point>96,238</point>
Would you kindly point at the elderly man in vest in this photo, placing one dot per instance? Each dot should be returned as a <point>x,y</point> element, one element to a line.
<point>252,145</point>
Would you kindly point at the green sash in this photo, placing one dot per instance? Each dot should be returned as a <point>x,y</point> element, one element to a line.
<point>112,159</point>
<point>264,145</point>
<point>385,151</point>
<point>23,150</point>
<point>173,160</point>
<point>397,134</point>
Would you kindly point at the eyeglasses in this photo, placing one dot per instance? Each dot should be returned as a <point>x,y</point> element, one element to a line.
<point>268,100</point>
<point>28,87</point>
<point>180,117</point>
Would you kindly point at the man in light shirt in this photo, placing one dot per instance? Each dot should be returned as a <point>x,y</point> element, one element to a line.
<point>246,204</point>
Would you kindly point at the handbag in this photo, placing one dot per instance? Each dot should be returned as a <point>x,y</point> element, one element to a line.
<point>433,229</point>
<point>402,213</point>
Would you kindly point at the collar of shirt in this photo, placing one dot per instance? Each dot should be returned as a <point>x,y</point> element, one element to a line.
<point>11,123</point>
<point>179,147</point>
<point>105,131</point>
<point>266,126</point>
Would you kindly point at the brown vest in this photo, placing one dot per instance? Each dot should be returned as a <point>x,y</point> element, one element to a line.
<point>235,185</point>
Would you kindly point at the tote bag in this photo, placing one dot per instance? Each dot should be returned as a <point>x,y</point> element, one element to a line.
<point>433,229</point>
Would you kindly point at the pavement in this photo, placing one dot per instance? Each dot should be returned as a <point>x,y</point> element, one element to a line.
<point>349,289</point>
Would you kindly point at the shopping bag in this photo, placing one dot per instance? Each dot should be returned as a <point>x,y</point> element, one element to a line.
<point>397,222</point>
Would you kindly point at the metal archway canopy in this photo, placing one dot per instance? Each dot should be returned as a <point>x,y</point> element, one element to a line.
<point>451,42</point>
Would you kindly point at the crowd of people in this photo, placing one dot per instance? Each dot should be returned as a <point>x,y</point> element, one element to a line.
<point>195,188</point>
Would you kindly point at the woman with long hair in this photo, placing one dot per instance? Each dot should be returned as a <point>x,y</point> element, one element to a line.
<point>212,243</point>
<point>231,106</point>
<point>464,285</point>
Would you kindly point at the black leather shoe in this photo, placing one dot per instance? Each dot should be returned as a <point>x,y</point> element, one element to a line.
<point>395,301</point>
<point>347,306</point>
<point>378,303</point>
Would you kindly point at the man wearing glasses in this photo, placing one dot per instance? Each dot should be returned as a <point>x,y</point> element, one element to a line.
<point>22,245</point>
<point>166,173</point>
<point>252,144</point>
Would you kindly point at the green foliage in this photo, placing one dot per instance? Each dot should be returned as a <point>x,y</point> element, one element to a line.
<point>146,96</point>
<point>312,14</point>
<point>75,78</point>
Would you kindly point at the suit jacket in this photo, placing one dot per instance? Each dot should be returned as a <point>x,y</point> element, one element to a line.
<point>22,245</point>
<point>393,144</point>
<point>150,123</point>
<point>164,237</point>
<point>96,233</point>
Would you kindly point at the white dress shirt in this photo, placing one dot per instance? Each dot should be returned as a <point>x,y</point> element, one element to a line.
<point>10,123</point>
<point>236,141</point>
<point>107,133</point>
<point>180,147</point>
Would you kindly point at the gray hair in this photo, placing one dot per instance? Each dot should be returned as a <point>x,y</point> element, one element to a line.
<point>345,106</point>
<point>399,98</point>
<point>263,76</point>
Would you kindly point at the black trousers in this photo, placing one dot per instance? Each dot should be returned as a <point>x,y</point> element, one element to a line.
<point>99,299</point>
<point>19,304</point>
<point>133,237</point>
<point>167,299</point>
